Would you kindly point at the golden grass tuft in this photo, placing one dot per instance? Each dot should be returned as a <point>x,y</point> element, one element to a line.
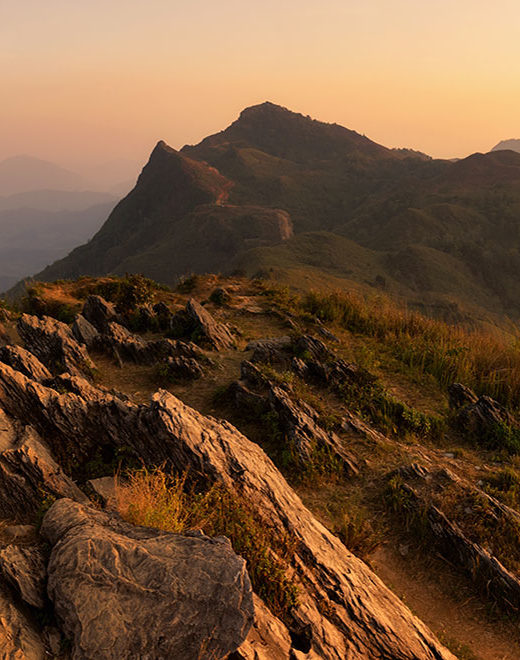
<point>154,498</point>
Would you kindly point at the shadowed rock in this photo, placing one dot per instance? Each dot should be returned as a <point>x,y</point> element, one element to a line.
<point>198,323</point>
<point>24,569</point>
<point>54,344</point>
<point>27,470</point>
<point>99,312</point>
<point>122,591</point>
<point>24,362</point>
<point>307,439</point>
<point>19,638</point>
<point>84,331</point>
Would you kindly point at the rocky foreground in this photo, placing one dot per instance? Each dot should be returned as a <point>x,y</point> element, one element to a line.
<point>85,584</point>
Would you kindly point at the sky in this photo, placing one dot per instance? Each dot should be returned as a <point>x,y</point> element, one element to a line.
<point>87,82</point>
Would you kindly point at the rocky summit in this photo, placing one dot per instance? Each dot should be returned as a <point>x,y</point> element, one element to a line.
<point>228,470</point>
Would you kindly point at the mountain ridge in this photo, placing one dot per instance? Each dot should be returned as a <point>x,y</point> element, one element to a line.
<point>442,218</point>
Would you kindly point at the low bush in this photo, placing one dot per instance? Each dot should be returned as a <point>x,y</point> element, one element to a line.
<point>157,499</point>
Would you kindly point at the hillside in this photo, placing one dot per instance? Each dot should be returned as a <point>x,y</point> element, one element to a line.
<point>441,235</point>
<point>362,460</point>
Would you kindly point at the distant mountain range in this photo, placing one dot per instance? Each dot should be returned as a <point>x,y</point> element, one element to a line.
<point>512,145</point>
<point>316,204</point>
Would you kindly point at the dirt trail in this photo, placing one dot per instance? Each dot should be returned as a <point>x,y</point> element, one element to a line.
<point>439,598</point>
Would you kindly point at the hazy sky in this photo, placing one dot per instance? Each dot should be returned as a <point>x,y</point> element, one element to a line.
<point>99,79</point>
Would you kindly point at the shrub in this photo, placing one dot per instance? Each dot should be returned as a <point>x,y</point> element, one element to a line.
<point>157,499</point>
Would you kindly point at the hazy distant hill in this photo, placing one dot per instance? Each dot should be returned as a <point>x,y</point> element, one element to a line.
<point>55,200</point>
<point>513,145</point>
<point>443,235</point>
<point>31,238</point>
<point>22,173</point>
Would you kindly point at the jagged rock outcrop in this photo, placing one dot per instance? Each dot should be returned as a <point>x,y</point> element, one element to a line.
<point>480,417</point>
<point>4,337</point>
<point>306,438</point>
<point>365,619</point>
<point>24,569</point>
<point>19,637</point>
<point>99,312</point>
<point>84,331</point>
<point>127,347</point>
<point>196,322</point>
<point>28,472</point>
<point>122,591</point>
<point>449,539</point>
<point>54,344</point>
<point>273,350</point>
<point>182,368</point>
<point>461,395</point>
<point>24,362</point>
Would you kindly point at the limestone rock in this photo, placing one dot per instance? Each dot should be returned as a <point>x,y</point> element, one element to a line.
<point>299,421</point>
<point>197,322</point>
<point>460,395</point>
<point>54,344</point>
<point>122,591</point>
<point>182,368</point>
<point>19,638</point>
<point>28,472</point>
<point>84,331</point>
<point>24,362</point>
<point>24,569</point>
<point>365,619</point>
<point>268,639</point>
<point>99,312</point>
<point>274,350</point>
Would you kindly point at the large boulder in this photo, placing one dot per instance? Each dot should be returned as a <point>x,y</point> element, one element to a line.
<point>122,591</point>
<point>54,344</point>
<point>25,362</point>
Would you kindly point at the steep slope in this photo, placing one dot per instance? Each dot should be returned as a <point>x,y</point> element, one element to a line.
<point>169,187</point>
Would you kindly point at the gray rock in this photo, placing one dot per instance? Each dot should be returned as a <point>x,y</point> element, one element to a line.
<point>54,344</point>
<point>306,437</point>
<point>27,472</point>
<point>99,312</point>
<point>460,395</point>
<point>24,569</point>
<point>122,591</point>
<point>24,362</point>
<point>19,638</point>
<point>268,639</point>
<point>105,488</point>
<point>84,331</point>
<point>183,368</point>
<point>205,330</point>
<point>366,619</point>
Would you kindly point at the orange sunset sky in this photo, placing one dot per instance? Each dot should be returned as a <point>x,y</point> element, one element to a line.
<point>91,81</point>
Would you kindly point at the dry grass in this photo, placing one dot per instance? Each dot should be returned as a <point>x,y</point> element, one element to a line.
<point>154,498</point>
<point>488,363</point>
